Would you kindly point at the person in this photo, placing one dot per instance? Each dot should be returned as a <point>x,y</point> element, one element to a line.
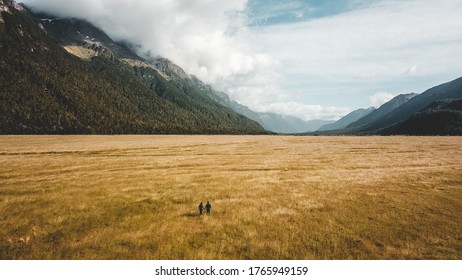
<point>208,206</point>
<point>201,208</point>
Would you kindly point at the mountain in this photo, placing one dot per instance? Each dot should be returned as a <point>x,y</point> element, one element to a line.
<point>273,122</point>
<point>450,90</point>
<point>348,119</point>
<point>382,111</point>
<point>428,113</point>
<point>66,76</point>
<point>442,117</point>
<point>288,124</point>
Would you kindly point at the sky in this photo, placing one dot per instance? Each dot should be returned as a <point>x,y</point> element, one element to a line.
<point>313,59</point>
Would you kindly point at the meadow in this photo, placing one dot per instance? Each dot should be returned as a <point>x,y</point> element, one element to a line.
<point>273,197</point>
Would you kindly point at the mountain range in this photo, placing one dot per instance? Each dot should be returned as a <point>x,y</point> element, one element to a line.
<point>62,76</point>
<point>433,112</point>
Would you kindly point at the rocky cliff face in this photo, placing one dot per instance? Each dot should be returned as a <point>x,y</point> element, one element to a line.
<point>5,4</point>
<point>168,69</point>
<point>3,9</point>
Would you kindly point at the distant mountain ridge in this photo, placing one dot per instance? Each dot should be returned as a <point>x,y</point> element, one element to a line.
<point>347,120</point>
<point>382,111</point>
<point>428,113</point>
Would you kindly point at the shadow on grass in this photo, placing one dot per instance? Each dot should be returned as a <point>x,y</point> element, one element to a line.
<point>190,215</point>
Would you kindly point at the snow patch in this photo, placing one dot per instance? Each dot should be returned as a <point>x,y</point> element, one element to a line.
<point>50,20</point>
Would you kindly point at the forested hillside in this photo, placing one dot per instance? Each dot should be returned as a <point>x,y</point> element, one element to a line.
<point>46,90</point>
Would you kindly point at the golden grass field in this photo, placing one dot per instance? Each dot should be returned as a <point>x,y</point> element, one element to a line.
<point>273,197</point>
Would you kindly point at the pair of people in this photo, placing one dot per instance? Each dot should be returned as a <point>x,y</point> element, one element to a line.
<point>207,207</point>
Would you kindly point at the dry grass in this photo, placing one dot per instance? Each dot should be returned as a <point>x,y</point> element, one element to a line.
<point>135,197</point>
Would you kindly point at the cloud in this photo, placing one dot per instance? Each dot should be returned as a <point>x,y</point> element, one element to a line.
<point>380,98</point>
<point>380,39</point>
<point>193,34</point>
<point>304,111</point>
<point>333,61</point>
<point>412,70</point>
<point>369,48</point>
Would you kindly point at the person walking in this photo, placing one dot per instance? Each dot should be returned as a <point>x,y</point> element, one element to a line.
<point>201,208</point>
<point>208,206</point>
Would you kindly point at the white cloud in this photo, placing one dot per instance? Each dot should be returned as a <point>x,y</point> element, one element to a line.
<point>337,61</point>
<point>304,111</point>
<point>380,98</point>
<point>412,70</point>
<point>200,36</point>
<point>299,14</point>
<point>382,38</point>
<point>370,48</point>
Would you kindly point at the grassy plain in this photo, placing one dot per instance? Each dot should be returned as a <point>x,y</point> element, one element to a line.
<point>273,197</point>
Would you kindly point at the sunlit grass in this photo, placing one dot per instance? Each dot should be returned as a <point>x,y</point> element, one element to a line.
<point>273,197</point>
